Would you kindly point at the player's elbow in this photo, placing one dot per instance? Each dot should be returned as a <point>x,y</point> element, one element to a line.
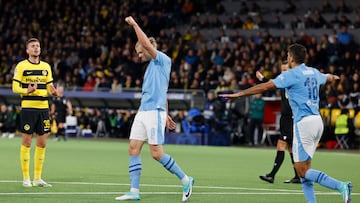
<point>268,86</point>
<point>16,88</point>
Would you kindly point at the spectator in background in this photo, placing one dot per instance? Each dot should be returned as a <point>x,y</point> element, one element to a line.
<point>256,116</point>
<point>83,122</point>
<point>344,127</point>
<point>357,22</point>
<point>277,23</point>
<point>187,9</point>
<point>248,24</point>
<point>344,37</point>
<point>102,84</point>
<point>89,84</point>
<point>209,108</point>
<point>343,101</point>
<point>290,7</point>
<point>327,7</point>
<point>342,7</point>
<point>261,23</point>
<point>354,96</point>
<point>115,85</point>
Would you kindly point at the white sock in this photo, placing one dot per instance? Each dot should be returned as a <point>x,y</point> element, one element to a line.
<point>135,190</point>
<point>185,179</point>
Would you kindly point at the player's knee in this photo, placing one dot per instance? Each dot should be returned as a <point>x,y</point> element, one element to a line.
<point>133,151</point>
<point>300,170</point>
<point>156,156</point>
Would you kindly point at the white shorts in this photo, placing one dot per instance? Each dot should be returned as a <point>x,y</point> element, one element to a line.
<point>307,134</point>
<point>149,126</point>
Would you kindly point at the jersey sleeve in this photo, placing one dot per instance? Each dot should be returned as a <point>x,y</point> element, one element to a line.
<point>16,83</point>
<point>163,60</point>
<point>49,78</point>
<point>322,77</point>
<point>281,82</point>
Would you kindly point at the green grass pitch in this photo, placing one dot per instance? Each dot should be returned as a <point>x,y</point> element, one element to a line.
<point>96,170</point>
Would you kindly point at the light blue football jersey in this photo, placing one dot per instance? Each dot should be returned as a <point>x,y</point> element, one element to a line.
<point>302,84</point>
<point>156,83</point>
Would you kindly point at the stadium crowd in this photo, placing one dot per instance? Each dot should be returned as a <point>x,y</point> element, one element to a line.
<point>90,47</point>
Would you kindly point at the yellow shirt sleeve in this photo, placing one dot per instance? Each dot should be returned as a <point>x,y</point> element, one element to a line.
<point>49,79</point>
<point>16,83</point>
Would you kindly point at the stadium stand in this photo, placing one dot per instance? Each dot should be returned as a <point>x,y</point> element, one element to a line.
<point>90,47</point>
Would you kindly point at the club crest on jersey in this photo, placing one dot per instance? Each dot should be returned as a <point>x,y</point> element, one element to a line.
<point>44,72</point>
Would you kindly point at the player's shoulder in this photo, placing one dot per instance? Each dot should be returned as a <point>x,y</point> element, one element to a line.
<point>44,63</point>
<point>23,62</point>
<point>162,55</point>
<point>44,66</point>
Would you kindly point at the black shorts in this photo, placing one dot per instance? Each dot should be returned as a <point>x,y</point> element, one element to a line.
<point>60,117</point>
<point>34,120</point>
<point>286,129</point>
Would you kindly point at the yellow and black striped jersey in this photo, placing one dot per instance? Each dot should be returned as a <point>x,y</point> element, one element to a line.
<point>26,73</point>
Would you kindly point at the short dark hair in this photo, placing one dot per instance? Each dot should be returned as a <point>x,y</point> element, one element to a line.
<point>298,52</point>
<point>33,39</point>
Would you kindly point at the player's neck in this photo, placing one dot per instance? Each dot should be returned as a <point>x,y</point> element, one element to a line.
<point>34,59</point>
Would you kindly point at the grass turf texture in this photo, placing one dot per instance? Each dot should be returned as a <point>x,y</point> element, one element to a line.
<point>97,171</point>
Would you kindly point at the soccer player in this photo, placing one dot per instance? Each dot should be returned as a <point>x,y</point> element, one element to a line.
<point>33,81</point>
<point>152,117</point>
<point>286,133</point>
<point>60,107</point>
<point>302,84</point>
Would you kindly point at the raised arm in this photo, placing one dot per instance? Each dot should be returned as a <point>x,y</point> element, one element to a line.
<point>143,39</point>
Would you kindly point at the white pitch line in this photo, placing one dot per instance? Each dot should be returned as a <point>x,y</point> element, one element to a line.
<point>154,185</point>
<point>270,191</point>
<point>163,193</point>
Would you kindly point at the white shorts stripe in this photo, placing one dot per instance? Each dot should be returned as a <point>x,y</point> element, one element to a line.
<point>307,134</point>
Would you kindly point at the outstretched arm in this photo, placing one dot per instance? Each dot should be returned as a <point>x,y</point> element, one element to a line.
<point>331,77</point>
<point>262,87</point>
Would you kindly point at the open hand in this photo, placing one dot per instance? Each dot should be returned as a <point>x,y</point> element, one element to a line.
<point>170,123</point>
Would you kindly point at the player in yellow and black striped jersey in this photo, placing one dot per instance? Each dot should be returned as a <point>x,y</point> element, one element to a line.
<point>34,82</point>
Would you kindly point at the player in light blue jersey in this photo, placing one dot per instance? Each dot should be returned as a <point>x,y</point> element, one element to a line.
<point>302,84</point>
<point>152,118</point>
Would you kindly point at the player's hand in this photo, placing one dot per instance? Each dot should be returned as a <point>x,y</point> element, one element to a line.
<point>130,20</point>
<point>53,90</point>
<point>170,123</point>
<point>32,87</point>
<point>228,97</point>
<point>259,76</point>
<point>331,77</point>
